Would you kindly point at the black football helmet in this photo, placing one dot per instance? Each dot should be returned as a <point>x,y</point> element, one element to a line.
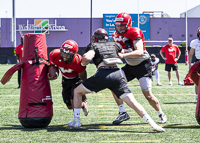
<point>100,35</point>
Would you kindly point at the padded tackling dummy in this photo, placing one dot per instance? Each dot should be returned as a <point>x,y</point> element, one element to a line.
<point>35,110</point>
<point>194,75</point>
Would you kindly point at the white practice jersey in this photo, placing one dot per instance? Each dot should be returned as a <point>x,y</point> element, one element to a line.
<point>195,44</point>
<point>153,64</point>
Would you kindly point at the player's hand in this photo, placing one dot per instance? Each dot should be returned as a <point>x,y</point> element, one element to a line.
<point>121,56</point>
<point>51,77</point>
<point>176,59</point>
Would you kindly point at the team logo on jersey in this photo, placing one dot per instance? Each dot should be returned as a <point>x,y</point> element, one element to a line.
<point>170,50</point>
<point>64,70</point>
<point>118,38</point>
<point>67,46</point>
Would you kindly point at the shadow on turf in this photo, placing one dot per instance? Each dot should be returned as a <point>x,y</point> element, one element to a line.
<point>84,128</point>
<point>180,126</point>
<point>179,103</point>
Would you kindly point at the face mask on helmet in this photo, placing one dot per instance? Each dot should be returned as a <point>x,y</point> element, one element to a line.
<point>67,51</point>
<point>121,28</point>
<point>100,35</point>
<point>66,57</point>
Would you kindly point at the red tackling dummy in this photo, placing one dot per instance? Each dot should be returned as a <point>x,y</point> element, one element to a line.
<point>194,74</point>
<point>35,109</point>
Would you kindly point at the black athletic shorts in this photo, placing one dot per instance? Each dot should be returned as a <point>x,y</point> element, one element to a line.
<point>68,86</point>
<point>169,66</point>
<point>108,77</point>
<point>144,69</point>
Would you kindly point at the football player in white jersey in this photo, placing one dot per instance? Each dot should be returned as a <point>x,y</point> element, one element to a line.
<point>195,48</point>
<point>154,63</point>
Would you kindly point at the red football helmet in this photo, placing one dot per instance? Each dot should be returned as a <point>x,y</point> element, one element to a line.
<point>100,35</point>
<point>123,19</point>
<point>67,51</point>
<point>198,32</point>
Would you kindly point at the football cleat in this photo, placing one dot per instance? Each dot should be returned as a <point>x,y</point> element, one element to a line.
<point>159,84</point>
<point>180,83</point>
<point>76,123</point>
<point>163,118</point>
<point>157,128</point>
<point>85,109</point>
<point>122,117</point>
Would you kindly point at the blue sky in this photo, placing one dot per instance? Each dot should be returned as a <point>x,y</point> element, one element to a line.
<point>81,8</point>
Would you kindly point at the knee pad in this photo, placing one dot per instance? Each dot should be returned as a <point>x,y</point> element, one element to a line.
<point>145,83</point>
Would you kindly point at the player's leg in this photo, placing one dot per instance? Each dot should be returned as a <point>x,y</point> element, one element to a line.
<point>129,99</point>
<point>123,115</point>
<point>157,75</point>
<point>168,69</point>
<point>122,91</point>
<point>145,84</point>
<point>175,68</point>
<point>78,93</point>
<point>66,93</point>
<point>76,82</point>
<point>91,84</point>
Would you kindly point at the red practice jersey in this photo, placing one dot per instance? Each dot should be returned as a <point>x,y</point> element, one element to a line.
<point>19,51</point>
<point>170,53</point>
<point>131,34</point>
<point>70,70</point>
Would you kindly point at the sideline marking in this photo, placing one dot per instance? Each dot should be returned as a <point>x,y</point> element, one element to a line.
<point>106,127</point>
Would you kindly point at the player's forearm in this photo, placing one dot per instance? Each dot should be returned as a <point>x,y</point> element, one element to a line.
<point>179,54</point>
<point>83,75</point>
<point>161,53</point>
<point>134,54</point>
<point>87,57</point>
<point>190,61</point>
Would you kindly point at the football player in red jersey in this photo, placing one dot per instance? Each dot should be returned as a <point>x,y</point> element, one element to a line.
<point>73,73</point>
<point>138,63</point>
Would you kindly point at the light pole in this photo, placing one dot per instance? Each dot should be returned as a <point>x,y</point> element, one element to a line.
<point>13,25</point>
<point>91,22</point>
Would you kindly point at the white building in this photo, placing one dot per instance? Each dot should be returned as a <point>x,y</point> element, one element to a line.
<point>192,13</point>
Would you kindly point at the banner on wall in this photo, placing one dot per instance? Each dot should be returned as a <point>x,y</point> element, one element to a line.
<point>41,26</point>
<point>109,24</point>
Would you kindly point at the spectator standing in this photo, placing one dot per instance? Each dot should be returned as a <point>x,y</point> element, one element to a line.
<point>172,54</point>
